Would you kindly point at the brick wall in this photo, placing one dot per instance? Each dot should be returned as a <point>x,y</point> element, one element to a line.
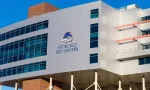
<point>40,9</point>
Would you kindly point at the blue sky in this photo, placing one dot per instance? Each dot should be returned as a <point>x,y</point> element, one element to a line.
<point>12,11</point>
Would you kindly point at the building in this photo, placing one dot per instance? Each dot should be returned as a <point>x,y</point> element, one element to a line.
<point>89,46</point>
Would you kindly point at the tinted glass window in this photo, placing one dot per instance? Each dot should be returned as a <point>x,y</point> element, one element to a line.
<point>95,13</point>
<point>94,58</point>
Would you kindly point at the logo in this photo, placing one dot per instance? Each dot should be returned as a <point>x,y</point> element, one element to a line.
<point>67,37</point>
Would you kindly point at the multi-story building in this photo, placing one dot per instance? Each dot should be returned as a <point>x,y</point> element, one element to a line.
<point>74,47</point>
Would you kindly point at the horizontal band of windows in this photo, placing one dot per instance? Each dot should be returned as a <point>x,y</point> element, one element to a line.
<point>24,49</point>
<point>24,42</point>
<point>145,60</point>
<point>23,69</point>
<point>146,18</point>
<point>94,44</point>
<point>24,30</point>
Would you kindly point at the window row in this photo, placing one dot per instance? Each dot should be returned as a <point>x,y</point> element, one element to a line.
<point>145,60</point>
<point>146,46</point>
<point>93,58</point>
<point>23,53</point>
<point>94,13</point>
<point>146,32</point>
<point>23,69</point>
<point>25,42</point>
<point>145,18</point>
<point>24,56</point>
<point>94,35</point>
<point>24,30</point>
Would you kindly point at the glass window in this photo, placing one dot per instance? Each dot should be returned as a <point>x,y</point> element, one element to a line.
<point>1,61</point>
<point>9,72</point>
<point>27,29</point>
<point>39,25</point>
<point>145,47</point>
<point>43,65</point>
<point>45,24</point>
<point>44,38</point>
<point>25,68</point>
<point>93,58</point>
<point>4,72</point>
<point>36,66</point>
<point>147,60</point>
<point>24,49</point>
<point>94,28</point>
<point>94,35</point>
<point>8,35</point>
<point>22,31</point>
<point>0,37</point>
<point>38,39</point>
<point>142,61</point>
<point>14,71</point>
<point>1,73</point>
<point>33,27</point>
<point>95,13</point>
<point>19,69</point>
<point>17,32</point>
<point>12,34</point>
<point>30,67</point>
<point>33,41</point>
<point>15,58</point>
<point>3,37</point>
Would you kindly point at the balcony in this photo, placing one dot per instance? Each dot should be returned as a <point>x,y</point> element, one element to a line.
<point>133,53</point>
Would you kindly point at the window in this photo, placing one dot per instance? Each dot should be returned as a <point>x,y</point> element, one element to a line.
<point>141,61</point>
<point>146,46</point>
<point>95,13</point>
<point>145,60</point>
<point>43,65</point>
<point>45,24</point>
<point>24,49</point>
<point>24,30</point>
<point>39,26</point>
<point>23,69</point>
<point>93,58</point>
<point>94,36</point>
<point>145,18</point>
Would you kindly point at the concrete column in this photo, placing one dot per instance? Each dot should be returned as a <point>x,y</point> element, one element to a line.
<point>143,83</point>
<point>16,86</point>
<point>119,85</point>
<point>96,81</point>
<point>72,81</point>
<point>50,86</point>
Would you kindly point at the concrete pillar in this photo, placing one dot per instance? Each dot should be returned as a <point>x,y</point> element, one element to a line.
<point>71,82</point>
<point>119,85</point>
<point>16,86</point>
<point>96,80</point>
<point>143,83</point>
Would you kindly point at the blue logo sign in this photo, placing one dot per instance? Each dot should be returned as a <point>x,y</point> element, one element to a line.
<point>67,37</point>
<point>68,47</point>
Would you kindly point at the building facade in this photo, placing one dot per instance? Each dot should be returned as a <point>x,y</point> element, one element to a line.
<point>77,46</point>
